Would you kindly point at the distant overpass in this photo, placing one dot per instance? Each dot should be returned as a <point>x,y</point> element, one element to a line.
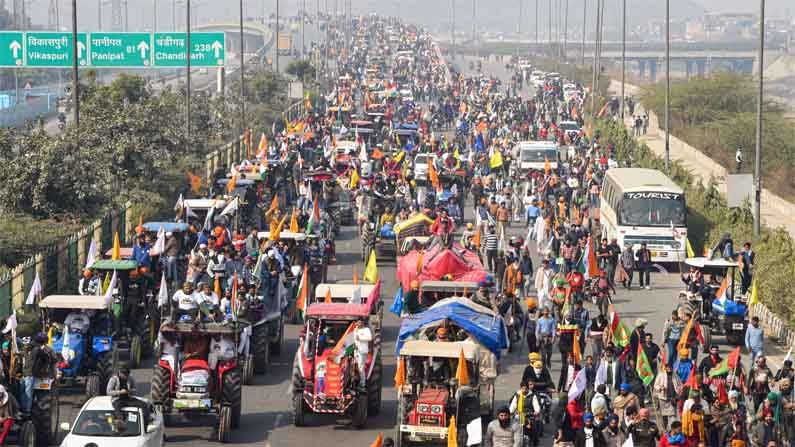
<point>258,37</point>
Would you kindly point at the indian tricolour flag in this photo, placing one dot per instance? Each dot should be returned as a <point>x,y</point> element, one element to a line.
<point>345,346</point>
<point>314,219</point>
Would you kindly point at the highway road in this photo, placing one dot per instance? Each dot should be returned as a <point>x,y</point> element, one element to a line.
<point>266,417</point>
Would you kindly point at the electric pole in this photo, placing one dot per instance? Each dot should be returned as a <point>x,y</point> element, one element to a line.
<point>758,156</point>
<point>187,71</point>
<point>623,53</point>
<point>242,75</point>
<point>75,79</point>
<point>667,83</point>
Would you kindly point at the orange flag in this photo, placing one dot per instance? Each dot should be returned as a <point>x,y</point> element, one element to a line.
<point>294,222</point>
<point>230,185</point>
<point>300,303</point>
<point>400,373</point>
<point>419,261</point>
<point>217,286</point>
<point>355,276</point>
<point>685,335</point>
<point>278,233</point>
<point>274,203</point>
<point>476,239</point>
<point>462,372</point>
<point>593,267</point>
<point>576,348</point>
<point>547,166</point>
<point>328,296</point>
<point>379,441</point>
<point>263,146</point>
<point>433,176</point>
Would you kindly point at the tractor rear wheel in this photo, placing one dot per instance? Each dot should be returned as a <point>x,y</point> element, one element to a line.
<point>104,370</point>
<point>360,413</point>
<point>45,415</point>
<point>276,346</point>
<point>161,385</point>
<point>136,351</point>
<point>233,394</point>
<point>224,424</point>
<point>261,348</point>
<point>374,384</point>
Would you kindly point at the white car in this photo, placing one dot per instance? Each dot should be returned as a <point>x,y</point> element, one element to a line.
<point>99,424</point>
<point>421,165</point>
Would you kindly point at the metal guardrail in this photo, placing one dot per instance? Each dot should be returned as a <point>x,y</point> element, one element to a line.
<point>777,328</point>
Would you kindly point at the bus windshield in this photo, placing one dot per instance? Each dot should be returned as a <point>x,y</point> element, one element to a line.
<point>653,209</point>
<point>538,155</point>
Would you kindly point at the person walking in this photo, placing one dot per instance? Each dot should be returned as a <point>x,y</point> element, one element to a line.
<point>644,266</point>
<point>490,243</point>
<point>501,432</point>
<point>755,339</point>
<point>628,264</point>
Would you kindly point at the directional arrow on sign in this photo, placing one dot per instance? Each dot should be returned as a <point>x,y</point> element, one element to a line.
<point>80,48</point>
<point>15,47</point>
<point>143,47</point>
<point>217,46</point>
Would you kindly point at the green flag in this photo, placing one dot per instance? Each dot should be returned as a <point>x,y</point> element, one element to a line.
<point>643,367</point>
<point>621,335</point>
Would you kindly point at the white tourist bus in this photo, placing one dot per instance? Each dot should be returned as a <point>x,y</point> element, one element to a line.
<point>644,205</point>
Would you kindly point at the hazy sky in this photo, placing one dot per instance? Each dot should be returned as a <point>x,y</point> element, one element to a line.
<point>494,14</point>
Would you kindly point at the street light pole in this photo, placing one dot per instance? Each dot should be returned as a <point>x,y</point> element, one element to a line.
<point>242,75</point>
<point>758,156</point>
<point>99,15</point>
<point>565,29</point>
<point>536,17</point>
<point>623,52</point>
<point>519,28</point>
<point>549,36</point>
<point>452,32</point>
<point>667,83</point>
<point>584,30</point>
<point>75,80</point>
<point>154,16</point>
<point>187,71</point>
<point>278,34</point>
<point>303,29</point>
<point>474,28</point>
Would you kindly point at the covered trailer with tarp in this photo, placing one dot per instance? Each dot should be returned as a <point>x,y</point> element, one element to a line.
<point>486,327</point>
<point>440,263</point>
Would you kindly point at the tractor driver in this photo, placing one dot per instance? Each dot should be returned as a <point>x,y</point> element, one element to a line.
<point>186,301</point>
<point>77,321</point>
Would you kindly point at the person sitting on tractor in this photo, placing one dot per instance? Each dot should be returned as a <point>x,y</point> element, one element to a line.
<point>482,295</point>
<point>8,412</point>
<point>77,321</point>
<point>411,300</point>
<point>187,304</point>
<point>121,387</point>
<point>89,284</point>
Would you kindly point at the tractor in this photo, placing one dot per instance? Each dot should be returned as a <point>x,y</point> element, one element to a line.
<point>431,394</point>
<point>197,373</point>
<point>325,372</point>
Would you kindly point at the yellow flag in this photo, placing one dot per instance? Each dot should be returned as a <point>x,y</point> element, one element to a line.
<point>399,157</point>
<point>462,373</point>
<point>116,254</point>
<point>294,222</point>
<point>690,252</point>
<point>496,160</point>
<point>457,154</point>
<point>354,179</point>
<point>371,272</point>
<point>452,433</point>
<point>754,293</point>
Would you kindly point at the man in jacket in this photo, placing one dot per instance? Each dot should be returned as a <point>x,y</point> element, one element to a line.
<point>644,432</point>
<point>171,252</point>
<point>628,264</point>
<point>666,388</point>
<point>644,266</point>
<point>589,435</point>
<point>501,432</point>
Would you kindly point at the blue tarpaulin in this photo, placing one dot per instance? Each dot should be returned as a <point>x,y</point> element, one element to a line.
<point>729,307</point>
<point>484,327</point>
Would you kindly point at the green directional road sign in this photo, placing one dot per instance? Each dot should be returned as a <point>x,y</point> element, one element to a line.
<point>120,49</point>
<point>207,49</point>
<point>54,49</point>
<point>11,51</point>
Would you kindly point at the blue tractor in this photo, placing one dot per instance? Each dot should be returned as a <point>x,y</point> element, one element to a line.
<point>80,332</point>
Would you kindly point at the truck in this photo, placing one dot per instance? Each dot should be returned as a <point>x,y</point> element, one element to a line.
<point>284,44</point>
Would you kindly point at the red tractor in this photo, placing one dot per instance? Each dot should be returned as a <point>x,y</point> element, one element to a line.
<point>432,395</point>
<point>198,373</point>
<point>327,374</point>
